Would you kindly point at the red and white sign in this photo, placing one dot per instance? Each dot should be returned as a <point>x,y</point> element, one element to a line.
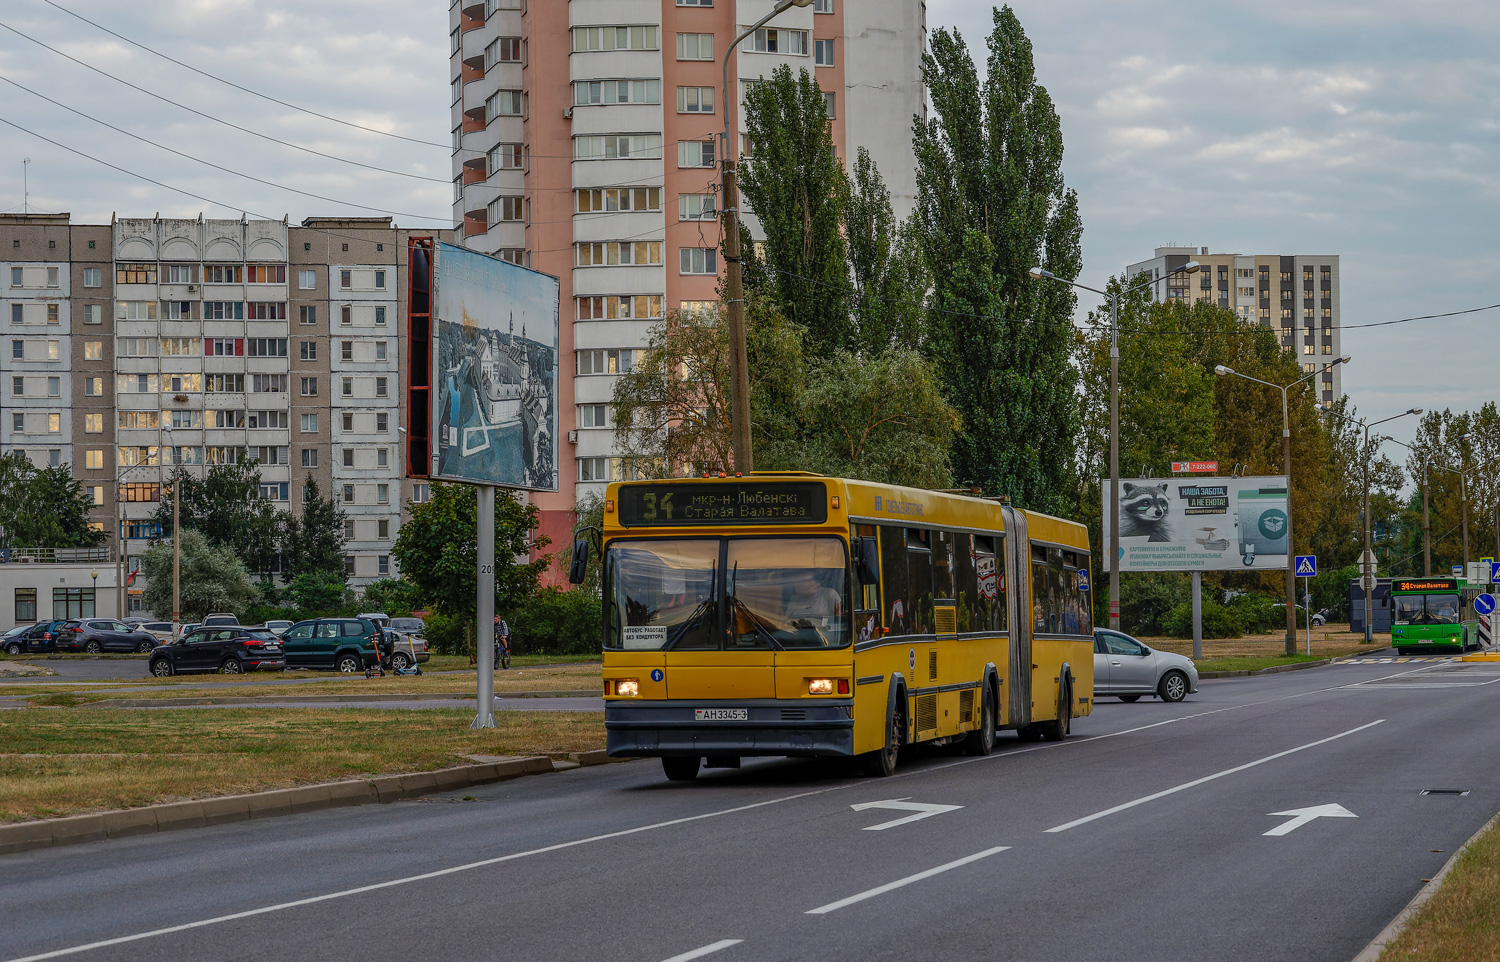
<point>1195,467</point>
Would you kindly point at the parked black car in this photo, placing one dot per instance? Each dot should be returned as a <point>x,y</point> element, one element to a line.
<point>332,644</point>
<point>104,634</point>
<point>40,637</point>
<point>228,651</point>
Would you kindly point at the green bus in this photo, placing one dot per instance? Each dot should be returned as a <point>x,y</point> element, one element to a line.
<point>1433,614</point>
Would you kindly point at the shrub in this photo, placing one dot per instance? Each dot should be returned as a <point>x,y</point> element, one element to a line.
<point>557,622</point>
<point>445,634</point>
<point>1257,613</point>
<point>1147,599</point>
<point>1219,621</point>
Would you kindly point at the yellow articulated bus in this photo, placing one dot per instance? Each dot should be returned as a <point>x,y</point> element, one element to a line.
<point>795,614</point>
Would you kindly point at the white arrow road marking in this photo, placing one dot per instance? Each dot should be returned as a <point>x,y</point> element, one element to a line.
<point>923,810</point>
<point>1301,816</point>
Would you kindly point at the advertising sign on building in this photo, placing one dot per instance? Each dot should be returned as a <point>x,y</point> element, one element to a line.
<point>1205,524</point>
<point>494,372</point>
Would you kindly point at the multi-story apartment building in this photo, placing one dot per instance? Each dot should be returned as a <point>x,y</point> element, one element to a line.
<point>1297,295</point>
<point>151,343</point>
<point>586,144</point>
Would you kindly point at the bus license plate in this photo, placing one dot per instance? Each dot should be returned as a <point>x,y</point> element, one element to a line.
<point>721,714</point>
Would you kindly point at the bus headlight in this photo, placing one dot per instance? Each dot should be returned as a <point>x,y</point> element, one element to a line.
<point>627,687</point>
<point>820,686</point>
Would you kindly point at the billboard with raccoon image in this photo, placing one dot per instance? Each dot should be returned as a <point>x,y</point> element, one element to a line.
<point>1200,524</point>
<point>494,372</point>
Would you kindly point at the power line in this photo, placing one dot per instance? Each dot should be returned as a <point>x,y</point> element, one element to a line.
<point>207,163</point>
<point>218,120</point>
<point>254,93</point>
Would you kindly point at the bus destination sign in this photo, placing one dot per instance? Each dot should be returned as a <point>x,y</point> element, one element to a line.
<point>1426,584</point>
<point>742,502</point>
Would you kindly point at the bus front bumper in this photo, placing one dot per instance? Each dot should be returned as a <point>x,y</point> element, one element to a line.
<point>769,727</point>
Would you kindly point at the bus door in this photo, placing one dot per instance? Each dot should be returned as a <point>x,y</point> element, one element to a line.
<point>1017,552</point>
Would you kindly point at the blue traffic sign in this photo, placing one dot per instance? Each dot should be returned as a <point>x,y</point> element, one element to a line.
<point>1307,566</point>
<point>1458,571</point>
<point>1484,604</point>
<point>1494,571</point>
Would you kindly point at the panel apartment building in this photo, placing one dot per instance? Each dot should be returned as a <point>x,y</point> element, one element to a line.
<point>1296,295</point>
<point>149,343</point>
<point>586,138</point>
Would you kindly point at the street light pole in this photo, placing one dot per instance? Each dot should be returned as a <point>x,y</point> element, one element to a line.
<point>1286,457</point>
<point>1114,416</point>
<point>1427,527</point>
<point>734,283</point>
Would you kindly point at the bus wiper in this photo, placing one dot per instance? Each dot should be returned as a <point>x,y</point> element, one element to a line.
<point>704,607</point>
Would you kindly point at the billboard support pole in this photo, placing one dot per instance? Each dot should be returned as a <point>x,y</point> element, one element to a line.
<point>484,638</point>
<point>1197,616</point>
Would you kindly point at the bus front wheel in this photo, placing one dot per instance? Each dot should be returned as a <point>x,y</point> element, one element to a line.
<point>881,763</point>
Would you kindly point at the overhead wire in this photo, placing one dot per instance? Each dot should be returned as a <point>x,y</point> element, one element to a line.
<point>220,120</point>
<point>230,83</point>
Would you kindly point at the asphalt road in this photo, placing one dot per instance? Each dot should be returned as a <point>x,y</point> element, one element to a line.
<point>1146,836</point>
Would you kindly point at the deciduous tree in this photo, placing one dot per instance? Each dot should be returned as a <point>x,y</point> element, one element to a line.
<point>211,578</point>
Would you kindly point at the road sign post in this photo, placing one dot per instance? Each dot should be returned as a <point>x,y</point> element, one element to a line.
<point>1307,570</point>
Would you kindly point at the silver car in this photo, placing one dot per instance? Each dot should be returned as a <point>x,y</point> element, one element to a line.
<point>1129,669</point>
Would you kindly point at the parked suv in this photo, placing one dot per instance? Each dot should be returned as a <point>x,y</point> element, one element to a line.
<point>332,644</point>
<point>228,651</point>
<point>104,634</point>
<point>161,629</point>
<point>41,636</point>
<point>221,619</point>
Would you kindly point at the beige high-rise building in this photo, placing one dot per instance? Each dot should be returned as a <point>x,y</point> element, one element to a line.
<point>586,138</point>
<point>1296,295</point>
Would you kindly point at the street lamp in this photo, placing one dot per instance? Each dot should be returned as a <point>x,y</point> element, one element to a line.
<point>734,289</point>
<point>94,573</point>
<point>1286,445</point>
<point>1463,495</point>
<point>1114,416</point>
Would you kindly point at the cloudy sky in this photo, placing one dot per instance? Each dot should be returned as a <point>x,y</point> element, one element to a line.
<point>1367,130</point>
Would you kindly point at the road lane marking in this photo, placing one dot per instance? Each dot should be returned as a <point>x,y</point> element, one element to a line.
<point>922,809</point>
<point>1208,778</point>
<point>902,882</point>
<point>705,950</point>
<point>391,883</point>
<point>1301,816</point>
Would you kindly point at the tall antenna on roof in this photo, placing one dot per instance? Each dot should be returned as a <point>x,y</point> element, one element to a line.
<point>25,185</point>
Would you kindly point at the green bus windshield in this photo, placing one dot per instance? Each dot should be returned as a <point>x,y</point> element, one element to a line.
<point>1427,609</point>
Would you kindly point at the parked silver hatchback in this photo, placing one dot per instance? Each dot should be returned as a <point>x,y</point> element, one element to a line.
<point>1128,669</point>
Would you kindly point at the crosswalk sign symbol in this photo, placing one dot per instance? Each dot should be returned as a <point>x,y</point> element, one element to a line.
<point>1307,566</point>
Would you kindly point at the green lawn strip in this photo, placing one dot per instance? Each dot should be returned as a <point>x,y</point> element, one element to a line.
<point>1458,924</point>
<point>67,763</point>
<point>1251,664</point>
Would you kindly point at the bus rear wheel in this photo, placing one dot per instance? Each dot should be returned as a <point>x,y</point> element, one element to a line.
<point>679,768</point>
<point>882,762</point>
<point>1058,728</point>
<point>981,741</point>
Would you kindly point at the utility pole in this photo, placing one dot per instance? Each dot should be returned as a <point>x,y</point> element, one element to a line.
<point>484,636</point>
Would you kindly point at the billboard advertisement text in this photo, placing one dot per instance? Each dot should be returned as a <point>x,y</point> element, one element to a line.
<point>1202,524</point>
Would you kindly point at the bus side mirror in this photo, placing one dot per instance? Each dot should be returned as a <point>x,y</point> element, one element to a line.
<point>868,561</point>
<point>580,565</point>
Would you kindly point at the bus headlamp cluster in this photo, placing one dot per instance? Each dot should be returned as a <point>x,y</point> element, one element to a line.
<point>826,686</point>
<point>628,687</point>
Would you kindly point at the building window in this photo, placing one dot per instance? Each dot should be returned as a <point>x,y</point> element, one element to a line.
<point>380,387</point>
<point>695,3</point>
<point>93,459</point>
<point>506,210</point>
<point>830,101</point>
<point>619,307</point>
<point>25,605</point>
<point>379,317</point>
<point>54,387</point>
<point>822,6</point>
<point>606,362</point>
<point>17,423</point>
<point>823,53</point>
<point>92,313</point>
<point>92,423</point>
<point>695,153</point>
<point>383,564</point>
<point>502,103</point>
<point>697,207</point>
<point>380,347</point>
<point>421,493</point>
<point>382,458</point>
<point>349,565</point>
<point>308,314</point>
<point>309,457</point>
<point>593,415</point>
<point>383,528</point>
<point>600,92</point>
<point>348,387</point>
<point>348,530</point>
<point>504,157</point>
<point>382,422</point>
<point>619,253</point>
<point>380,280</point>
<point>383,494</point>
<point>348,494</point>
<point>310,387</point>
<point>695,100</point>
<point>699,260</point>
<point>93,277</point>
<point>72,603</point>
<point>309,424</point>
<point>346,314</point>
<point>348,420</point>
<point>54,458</point>
<point>54,423</point>
<point>307,350</point>
<point>348,457</point>
<point>776,40</point>
<point>346,279</point>
<point>614,38</point>
<point>695,46</point>
<point>275,491</point>
<point>346,350</point>
<point>617,147</point>
<point>612,199</point>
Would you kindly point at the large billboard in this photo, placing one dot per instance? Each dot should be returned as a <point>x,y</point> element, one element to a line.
<point>494,372</point>
<point>1200,524</point>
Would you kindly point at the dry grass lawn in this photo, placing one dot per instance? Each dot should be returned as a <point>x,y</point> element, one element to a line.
<point>69,762</point>
<point>1260,651</point>
<point>1459,923</point>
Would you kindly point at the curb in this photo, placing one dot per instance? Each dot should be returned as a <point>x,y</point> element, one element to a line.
<point>1391,932</point>
<point>1273,670</point>
<point>318,699</point>
<point>168,817</point>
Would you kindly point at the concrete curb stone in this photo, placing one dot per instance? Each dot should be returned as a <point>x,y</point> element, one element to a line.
<point>170,816</point>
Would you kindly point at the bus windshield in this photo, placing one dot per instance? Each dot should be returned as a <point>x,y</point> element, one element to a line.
<point>727,593</point>
<point>1426,609</point>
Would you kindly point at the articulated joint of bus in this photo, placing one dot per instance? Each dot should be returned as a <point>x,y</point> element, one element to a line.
<point>742,727</point>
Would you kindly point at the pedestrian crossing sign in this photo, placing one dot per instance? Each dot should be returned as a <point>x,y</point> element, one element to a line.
<point>1307,566</point>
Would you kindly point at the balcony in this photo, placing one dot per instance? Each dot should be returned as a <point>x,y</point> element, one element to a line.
<point>474,120</point>
<point>475,222</point>
<point>471,17</point>
<point>475,171</point>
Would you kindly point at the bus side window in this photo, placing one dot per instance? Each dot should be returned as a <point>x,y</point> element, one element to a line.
<point>966,585</point>
<point>989,573</point>
<point>893,580</point>
<point>919,571</point>
<point>866,597</point>
<point>1040,599</point>
<point>942,564</point>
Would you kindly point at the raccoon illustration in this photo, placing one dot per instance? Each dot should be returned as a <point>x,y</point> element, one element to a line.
<point>1143,512</point>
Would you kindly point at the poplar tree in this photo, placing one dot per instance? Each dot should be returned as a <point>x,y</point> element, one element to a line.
<point>991,204</point>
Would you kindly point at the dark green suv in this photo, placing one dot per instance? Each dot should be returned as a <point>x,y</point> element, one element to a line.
<point>332,644</point>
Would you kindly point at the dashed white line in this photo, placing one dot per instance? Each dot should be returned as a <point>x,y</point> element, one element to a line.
<point>900,883</point>
<point>1208,778</point>
<point>699,953</point>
